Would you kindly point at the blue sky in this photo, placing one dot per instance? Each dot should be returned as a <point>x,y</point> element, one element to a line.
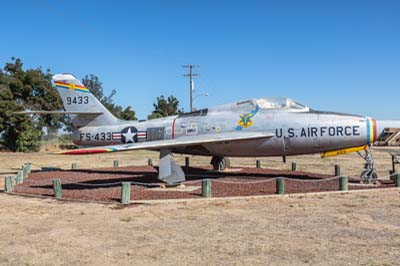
<point>330,55</point>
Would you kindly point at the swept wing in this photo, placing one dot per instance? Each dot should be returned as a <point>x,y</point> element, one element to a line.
<point>171,143</point>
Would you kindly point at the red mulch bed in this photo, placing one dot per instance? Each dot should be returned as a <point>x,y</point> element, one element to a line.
<point>104,184</point>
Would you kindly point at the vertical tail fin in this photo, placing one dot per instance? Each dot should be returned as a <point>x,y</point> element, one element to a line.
<point>77,98</point>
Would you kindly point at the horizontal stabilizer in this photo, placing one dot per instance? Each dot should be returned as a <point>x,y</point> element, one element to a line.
<point>179,142</point>
<point>58,113</point>
<point>343,151</point>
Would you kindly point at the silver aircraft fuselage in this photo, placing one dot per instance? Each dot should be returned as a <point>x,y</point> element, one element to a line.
<point>256,127</point>
<point>297,129</point>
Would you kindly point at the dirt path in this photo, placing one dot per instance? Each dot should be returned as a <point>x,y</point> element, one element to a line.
<point>337,229</point>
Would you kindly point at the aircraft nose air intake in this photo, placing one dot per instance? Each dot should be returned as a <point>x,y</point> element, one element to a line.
<point>371,130</point>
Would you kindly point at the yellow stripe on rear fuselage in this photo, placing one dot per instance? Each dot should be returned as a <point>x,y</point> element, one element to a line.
<point>342,151</point>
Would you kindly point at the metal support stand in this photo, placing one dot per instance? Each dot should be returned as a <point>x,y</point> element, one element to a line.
<point>369,173</point>
<point>169,172</point>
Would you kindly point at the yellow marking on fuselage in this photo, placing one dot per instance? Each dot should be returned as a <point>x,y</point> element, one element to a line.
<point>342,151</point>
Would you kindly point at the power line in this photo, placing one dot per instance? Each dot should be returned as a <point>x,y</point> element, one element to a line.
<point>191,75</point>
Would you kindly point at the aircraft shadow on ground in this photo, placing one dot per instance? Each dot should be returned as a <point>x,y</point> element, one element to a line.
<point>149,178</point>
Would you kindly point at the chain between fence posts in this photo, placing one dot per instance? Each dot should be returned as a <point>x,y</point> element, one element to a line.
<point>57,187</point>
<point>125,192</point>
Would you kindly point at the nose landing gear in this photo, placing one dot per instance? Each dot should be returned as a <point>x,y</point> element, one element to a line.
<point>368,174</point>
<point>220,163</point>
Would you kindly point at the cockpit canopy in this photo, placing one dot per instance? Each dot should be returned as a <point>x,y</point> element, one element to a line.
<point>273,103</point>
<point>279,103</point>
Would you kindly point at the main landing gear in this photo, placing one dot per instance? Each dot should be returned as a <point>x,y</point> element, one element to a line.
<point>171,173</point>
<point>220,163</point>
<point>369,173</point>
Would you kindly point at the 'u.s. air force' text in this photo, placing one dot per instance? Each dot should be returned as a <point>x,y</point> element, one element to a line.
<point>310,132</point>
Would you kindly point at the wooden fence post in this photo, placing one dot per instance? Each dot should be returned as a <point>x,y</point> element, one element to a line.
<point>20,177</point>
<point>116,163</point>
<point>25,171</point>
<point>9,183</point>
<point>26,168</point>
<point>57,187</point>
<point>206,188</point>
<point>391,175</point>
<point>393,163</point>
<point>258,164</point>
<point>150,162</point>
<point>344,183</point>
<point>396,180</point>
<point>280,185</point>
<point>337,170</point>
<point>294,166</point>
<point>125,192</point>
<point>29,167</point>
<point>73,166</point>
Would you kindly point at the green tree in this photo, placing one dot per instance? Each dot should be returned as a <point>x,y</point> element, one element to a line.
<point>10,125</point>
<point>93,83</point>
<point>26,140</point>
<point>165,107</point>
<point>20,90</point>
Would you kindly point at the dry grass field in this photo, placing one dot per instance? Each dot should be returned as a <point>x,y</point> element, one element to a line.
<point>334,229</point>
<point>358,228</point>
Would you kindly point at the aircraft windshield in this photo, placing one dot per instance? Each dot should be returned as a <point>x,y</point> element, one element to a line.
<point>280,103</point>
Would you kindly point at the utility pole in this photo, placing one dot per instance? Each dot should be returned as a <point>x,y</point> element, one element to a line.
<point>191,75</point>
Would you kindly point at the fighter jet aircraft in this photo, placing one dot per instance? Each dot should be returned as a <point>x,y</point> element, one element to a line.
<point>256,127</point>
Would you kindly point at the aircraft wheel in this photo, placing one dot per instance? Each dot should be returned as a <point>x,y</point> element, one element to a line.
<point>215,162</point>
<point>220,163</point>
<point>374,175</point>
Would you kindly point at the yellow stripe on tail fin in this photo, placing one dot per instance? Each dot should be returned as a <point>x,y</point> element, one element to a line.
<point>342,151</point>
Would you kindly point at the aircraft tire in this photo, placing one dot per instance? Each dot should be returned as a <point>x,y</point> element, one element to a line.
<point>220,163</point>
<point>374,175</point>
